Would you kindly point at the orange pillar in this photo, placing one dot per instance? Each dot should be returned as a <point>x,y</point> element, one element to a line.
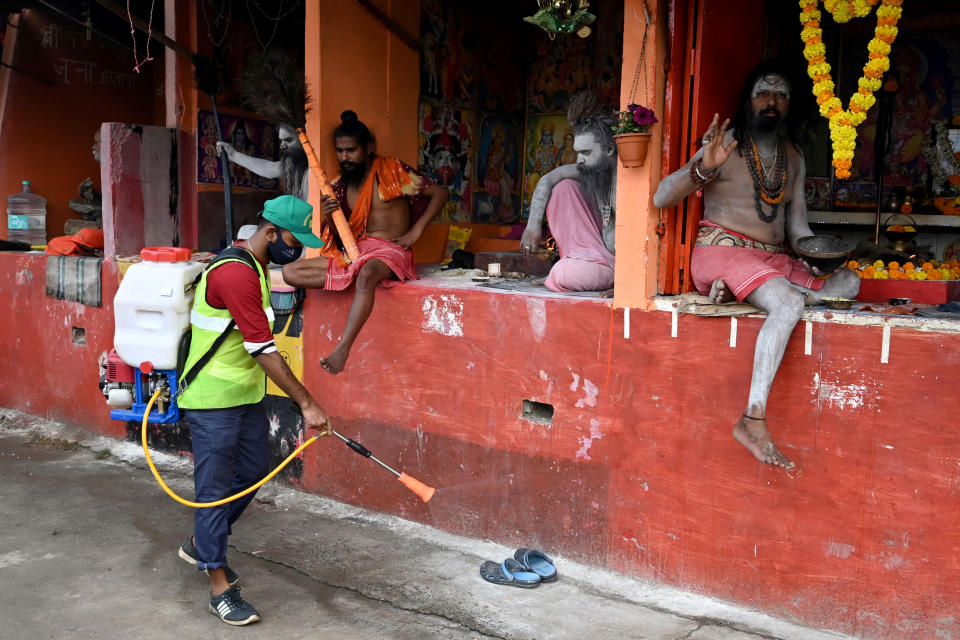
<point>353,61</point>
<point>637,241</point>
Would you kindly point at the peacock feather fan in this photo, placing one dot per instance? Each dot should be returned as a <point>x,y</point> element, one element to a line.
<point>211,75</point>
<point>274,86</point>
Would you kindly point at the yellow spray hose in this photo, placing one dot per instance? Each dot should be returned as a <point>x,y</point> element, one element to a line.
<point>217,503</point>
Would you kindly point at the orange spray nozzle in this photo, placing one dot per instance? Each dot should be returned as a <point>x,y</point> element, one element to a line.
<point>423,491</point>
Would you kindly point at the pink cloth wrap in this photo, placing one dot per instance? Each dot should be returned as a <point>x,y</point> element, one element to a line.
<point>399,260</point>
<point>743,269</point>
<point>585,263</point>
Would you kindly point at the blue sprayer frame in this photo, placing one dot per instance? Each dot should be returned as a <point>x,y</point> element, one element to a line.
<point>135,413</point>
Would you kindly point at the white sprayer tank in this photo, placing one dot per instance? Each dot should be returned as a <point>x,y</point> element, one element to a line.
<point>152,307</point>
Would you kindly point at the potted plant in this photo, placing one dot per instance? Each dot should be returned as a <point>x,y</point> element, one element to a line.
<point>631,134</point>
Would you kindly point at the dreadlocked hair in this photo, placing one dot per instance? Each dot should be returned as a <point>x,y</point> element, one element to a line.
<point>351,127</point>
<point>588,115</point>
<point>793,125</point>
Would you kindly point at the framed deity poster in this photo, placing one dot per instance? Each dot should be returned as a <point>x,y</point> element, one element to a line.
<point>548,144</point>
<point>559,69</point>
<point>445,149</point>
<point>447,65</point>
<point>496,197</point>
<point>818,194</point>
<point>855,195</point>
<point>252,137</point>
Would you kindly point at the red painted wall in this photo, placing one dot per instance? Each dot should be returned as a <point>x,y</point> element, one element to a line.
<point>46,373</point>
<point>46,132</point>
<point>638,471</point>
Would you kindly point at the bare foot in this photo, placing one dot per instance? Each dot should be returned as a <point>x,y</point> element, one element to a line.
<point>720,294</point>
<point>335,362</point>
<point>538,281</point>
<point>606,294</point>
<point>752,433</point>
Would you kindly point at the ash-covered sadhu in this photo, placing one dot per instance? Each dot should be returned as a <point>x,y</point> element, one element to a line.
<point>752,176</point>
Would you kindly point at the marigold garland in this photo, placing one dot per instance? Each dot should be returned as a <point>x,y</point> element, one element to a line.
<point>843,10</point>
<point>844,122</point>
<point>879,270</point>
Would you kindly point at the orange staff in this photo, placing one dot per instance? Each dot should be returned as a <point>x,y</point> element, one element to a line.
<point>273,86</point>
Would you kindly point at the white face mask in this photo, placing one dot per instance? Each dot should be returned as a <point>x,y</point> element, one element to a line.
<point>771,84</point>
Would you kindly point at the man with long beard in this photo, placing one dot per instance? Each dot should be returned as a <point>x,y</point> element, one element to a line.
<point>752,204</point>
<point>380,195</point>
<point>579,201</point>
<point>291,168</point>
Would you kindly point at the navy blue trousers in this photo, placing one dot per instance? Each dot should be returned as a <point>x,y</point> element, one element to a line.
<point>230,453</point>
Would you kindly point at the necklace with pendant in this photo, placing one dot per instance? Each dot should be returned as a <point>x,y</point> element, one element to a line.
<point>768,186</point>
<point>605,213</point>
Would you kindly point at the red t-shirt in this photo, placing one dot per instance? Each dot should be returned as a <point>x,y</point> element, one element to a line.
<point>234,286</point>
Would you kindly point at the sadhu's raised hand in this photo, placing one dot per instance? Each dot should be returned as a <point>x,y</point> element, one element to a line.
<point>714,151</point>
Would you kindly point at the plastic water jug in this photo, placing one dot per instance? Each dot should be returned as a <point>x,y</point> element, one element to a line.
<point>152,307</point>
<point>27,217</point>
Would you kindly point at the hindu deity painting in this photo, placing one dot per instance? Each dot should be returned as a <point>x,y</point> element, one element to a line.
<point>497,197</point>
<point>445,146</point>
<point>924,69</point>
<point>447,65</point>
<point>559,69</point>
<point>253,137</point>
<point>549,144</point>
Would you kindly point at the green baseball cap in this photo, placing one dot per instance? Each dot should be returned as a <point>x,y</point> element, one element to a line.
<point>294,215</point>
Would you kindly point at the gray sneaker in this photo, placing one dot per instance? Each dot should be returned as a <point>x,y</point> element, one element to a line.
<point>233,609</point>
<point>188,551</point>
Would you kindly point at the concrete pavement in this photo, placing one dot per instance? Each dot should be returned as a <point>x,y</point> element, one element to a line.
<point>88,550</point>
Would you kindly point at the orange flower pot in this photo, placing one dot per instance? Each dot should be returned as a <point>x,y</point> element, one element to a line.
<point>632,148</point>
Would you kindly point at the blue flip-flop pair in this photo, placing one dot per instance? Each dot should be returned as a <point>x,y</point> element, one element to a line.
<point>526,569</point>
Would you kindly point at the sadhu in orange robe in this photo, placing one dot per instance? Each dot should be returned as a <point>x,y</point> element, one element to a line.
<point>395,179</point>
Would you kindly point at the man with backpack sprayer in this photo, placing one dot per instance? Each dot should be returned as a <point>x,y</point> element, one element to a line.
<point>223,387</point>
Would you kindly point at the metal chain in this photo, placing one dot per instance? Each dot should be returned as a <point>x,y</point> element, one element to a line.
<point>641,60</point>
<point>226,9</point>
<point>275,19</point>
<point>280,14</point>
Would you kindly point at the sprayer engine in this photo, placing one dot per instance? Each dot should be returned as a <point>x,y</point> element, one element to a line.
<point>126,389</point>
<point>116,381</point>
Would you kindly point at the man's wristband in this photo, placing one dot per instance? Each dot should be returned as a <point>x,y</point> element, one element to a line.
<point>701,178</point>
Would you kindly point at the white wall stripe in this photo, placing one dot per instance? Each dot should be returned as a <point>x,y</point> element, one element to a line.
<point>808,339</point>
<point>733,333</point>
<point>626,323</point>
<point>885,346</point>
<point>673,323</point>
